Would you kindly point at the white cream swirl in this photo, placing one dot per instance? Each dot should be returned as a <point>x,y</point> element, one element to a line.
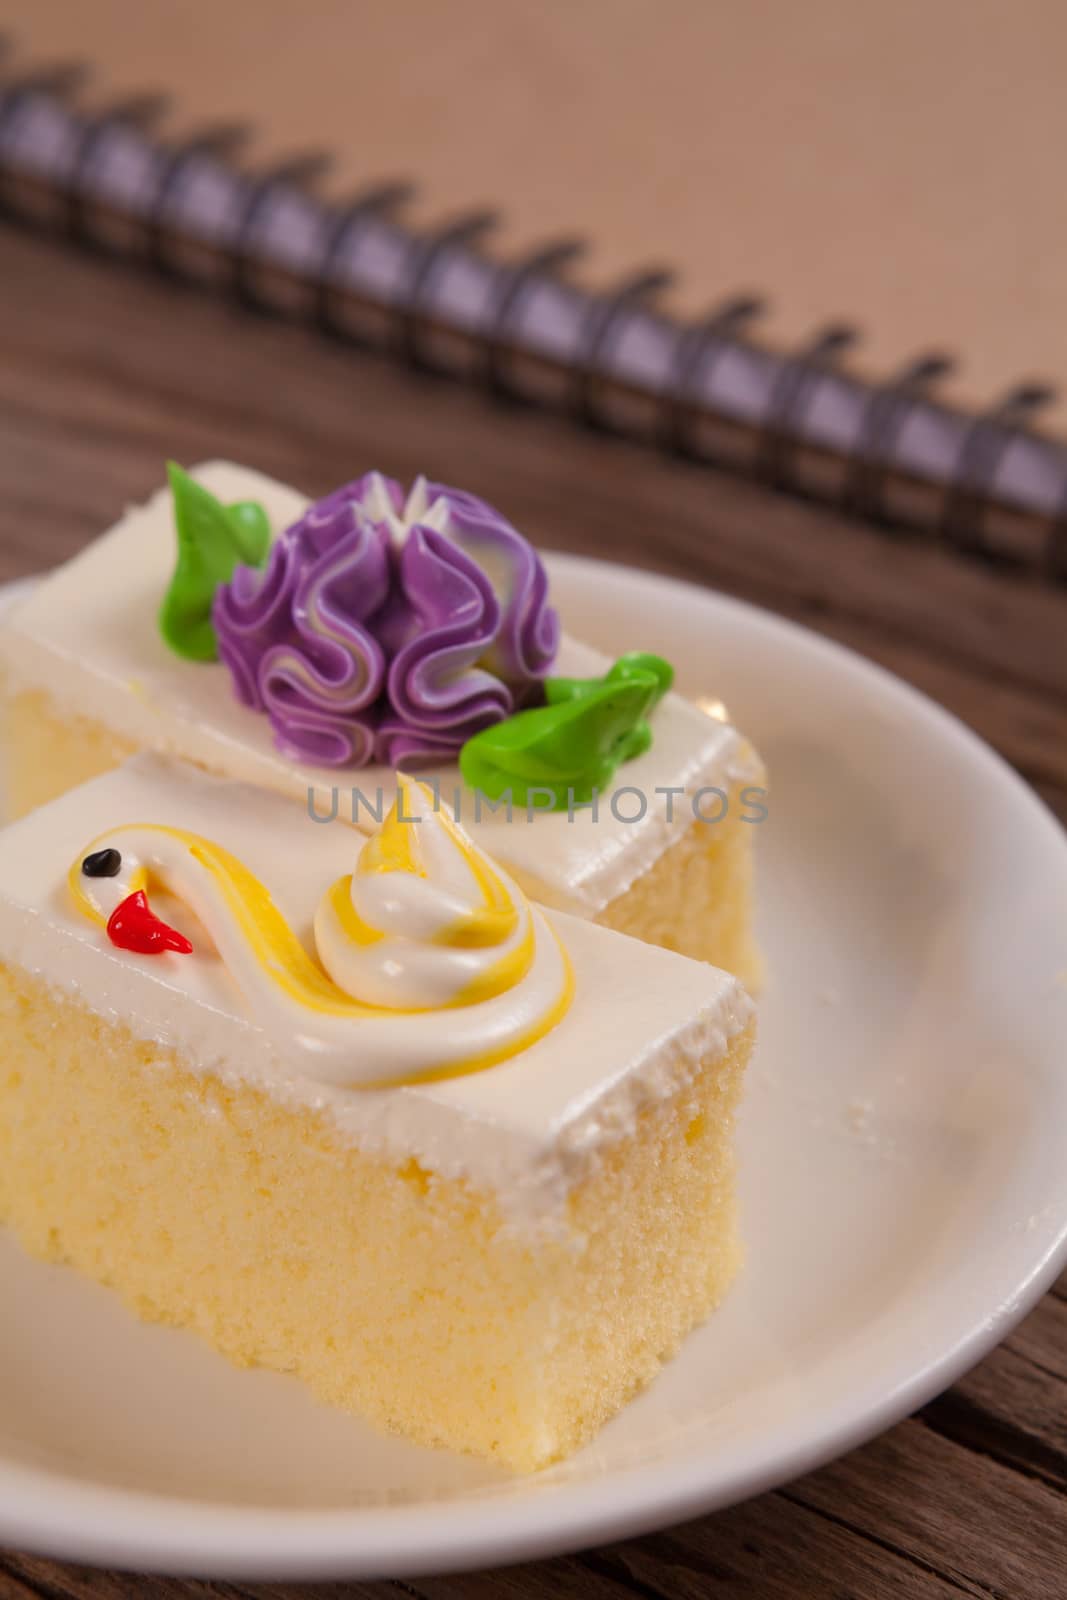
<point>425,921</point>
<point>433,963</point>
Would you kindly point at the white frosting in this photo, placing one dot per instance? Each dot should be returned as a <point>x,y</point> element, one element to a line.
<point>640,1021</point>
<point>436,963</point>
<point>418,508</point>
<point>87,635</point>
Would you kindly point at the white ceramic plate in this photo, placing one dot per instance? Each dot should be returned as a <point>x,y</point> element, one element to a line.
<point>904,1186</point>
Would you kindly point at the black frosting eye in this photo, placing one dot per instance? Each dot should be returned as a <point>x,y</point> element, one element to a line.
<point>102,864</point>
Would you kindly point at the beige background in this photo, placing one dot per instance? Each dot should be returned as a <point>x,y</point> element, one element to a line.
<point>905,164</point>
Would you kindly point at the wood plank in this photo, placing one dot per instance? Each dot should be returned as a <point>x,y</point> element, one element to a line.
<point>971,1518</point>
<point>775,1549</point>
<point>1014,1410</point>
<point>25,1577</point>
<point>1042,1340</point>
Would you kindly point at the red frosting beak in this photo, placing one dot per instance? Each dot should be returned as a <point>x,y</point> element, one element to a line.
<point>133,925</point>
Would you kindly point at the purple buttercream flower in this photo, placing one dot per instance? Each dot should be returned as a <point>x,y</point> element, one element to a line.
<point>389,629</point>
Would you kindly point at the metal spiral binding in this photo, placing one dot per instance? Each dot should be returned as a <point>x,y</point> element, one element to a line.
<point>295,172</point>
<point>425,255</point>
<point>380,200</point>
<point>977,475</point>
<point>884,416</point>
<point>62,80</point>
<point>790,396</point>
<point>222,143</point>
<point>59,82</point>
<point>143,111</point>
<point>962,520</point>
<point>695,352</point>
<point>507,303</point>
<point>606,316</point>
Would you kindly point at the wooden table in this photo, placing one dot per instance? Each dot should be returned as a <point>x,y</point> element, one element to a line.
<point>104,372</point>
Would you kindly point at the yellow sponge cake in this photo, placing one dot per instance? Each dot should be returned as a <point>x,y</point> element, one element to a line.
<point>357,1110</point>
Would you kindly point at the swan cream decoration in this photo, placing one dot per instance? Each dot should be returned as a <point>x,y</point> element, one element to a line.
<point>428,961</point>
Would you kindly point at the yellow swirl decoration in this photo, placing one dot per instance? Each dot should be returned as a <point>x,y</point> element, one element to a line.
<point>429,962</point>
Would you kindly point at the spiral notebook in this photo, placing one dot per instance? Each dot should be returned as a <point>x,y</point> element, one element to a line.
<point>535,326</point>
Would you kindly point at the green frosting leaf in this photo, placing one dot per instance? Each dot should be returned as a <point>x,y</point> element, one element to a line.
<point>213,539</point>
<point>572,744</point>
<point>251,527</point>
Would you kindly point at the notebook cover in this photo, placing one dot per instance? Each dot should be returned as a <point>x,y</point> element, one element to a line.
<point>897,166</point>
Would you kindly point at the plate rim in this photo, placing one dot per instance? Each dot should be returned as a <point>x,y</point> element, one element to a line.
<point>51,1514</point>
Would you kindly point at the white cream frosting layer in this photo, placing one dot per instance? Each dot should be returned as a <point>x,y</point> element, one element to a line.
<point>87,635</point>
<point>431,962</point>
<point>640,1021</point>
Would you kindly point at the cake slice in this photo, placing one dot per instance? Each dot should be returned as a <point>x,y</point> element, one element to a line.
<point>463,1165</point>
<point>90,678</point>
